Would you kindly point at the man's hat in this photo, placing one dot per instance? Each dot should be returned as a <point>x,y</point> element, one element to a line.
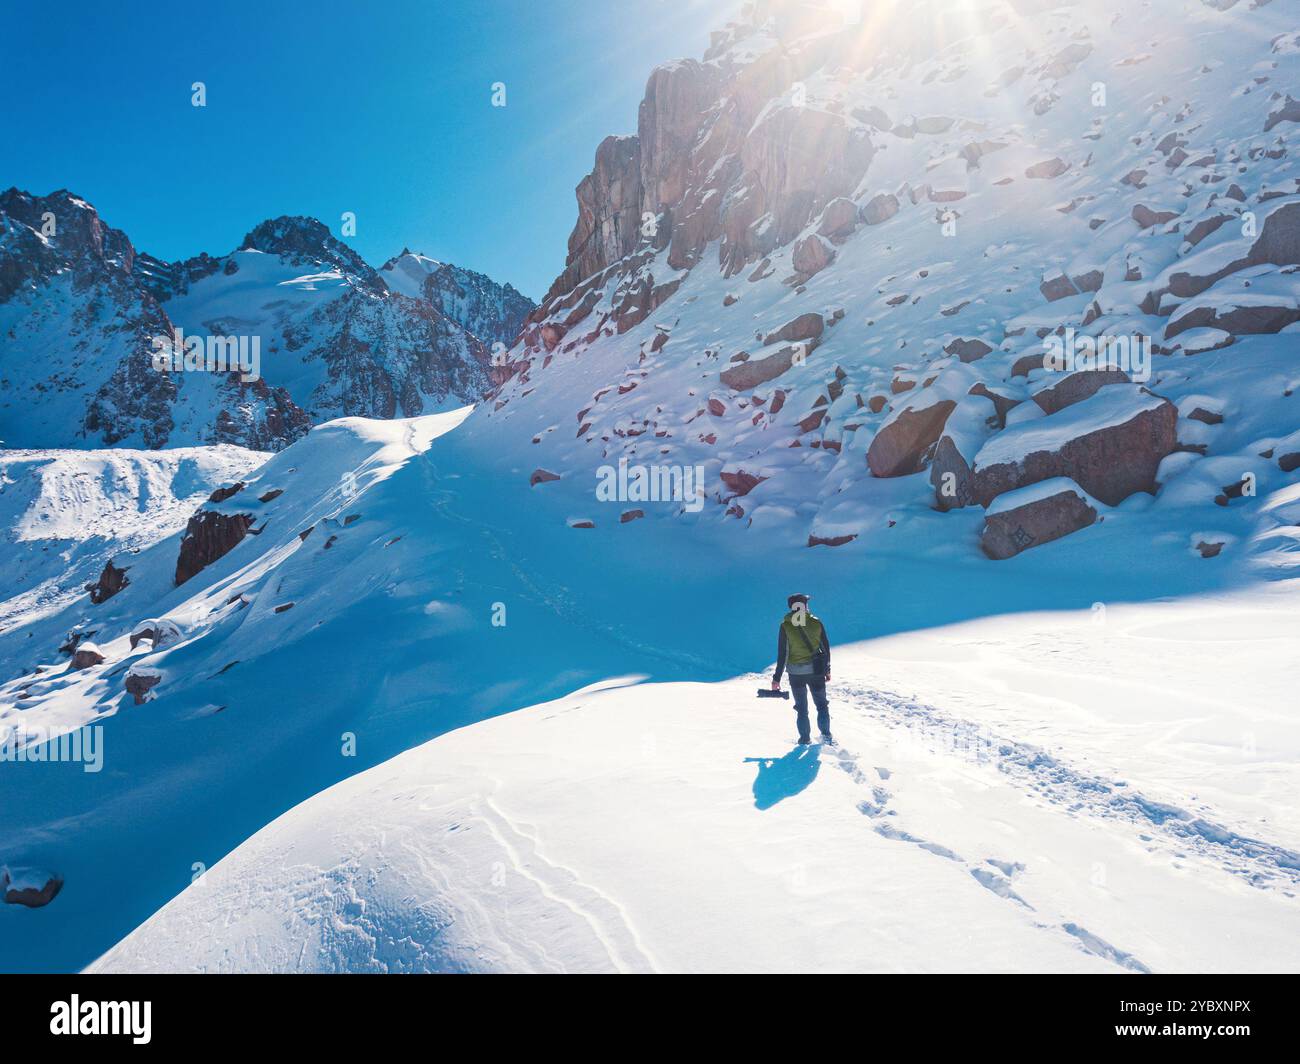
<point>800,597</point>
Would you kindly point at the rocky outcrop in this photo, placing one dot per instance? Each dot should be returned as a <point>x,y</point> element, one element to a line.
<point>541,476</point>
<point>1033,516</point>
<point>110,582</point>
<point>209,536</point>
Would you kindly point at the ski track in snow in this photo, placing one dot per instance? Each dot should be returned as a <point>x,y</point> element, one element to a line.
<point>1045,779</point>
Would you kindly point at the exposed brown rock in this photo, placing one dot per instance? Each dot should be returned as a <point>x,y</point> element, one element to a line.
<point>31,897</point>
<point>1010,531</point>
<point>1076,387</point>
<point>880,208</point>
<point>812,255</point>
<point>87,655</point>
<point>1146,217</point>
<point>830,541</point>
<point>805,327</point>
<point>756,371</point>
<point>209,536</point>
<point>900,445</point>
<point>110,582</point>
<point>541,476</point>
<point>1047,169</point>
<point>1057,286</point>
<point>138,685</point>
<point>739,482</point>
<point>226,491</point>
<point>968,350</point>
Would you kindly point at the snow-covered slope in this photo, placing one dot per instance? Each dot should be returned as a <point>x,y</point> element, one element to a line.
<point>836,267</point>
<point>1107,819</point>
<point>398,580</point>
<point>66,514</point>
<point>80,310</point>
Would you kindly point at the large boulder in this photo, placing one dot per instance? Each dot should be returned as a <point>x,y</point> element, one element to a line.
<point>1076,387</point>
<point>1110,444</point>
<point>805,327</point>
<point>968,349</point>
<point>903,442</point>
<point>964,433</point>
<point>880,208</point>
<point>1240,312</point>
<point>747,375</point>
<point>839,219</point>
<point>1277,243</point>
<point>1035,515</point>
<point>812,255</point>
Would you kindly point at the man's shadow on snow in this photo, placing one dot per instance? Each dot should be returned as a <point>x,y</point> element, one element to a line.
<point>784,777</point>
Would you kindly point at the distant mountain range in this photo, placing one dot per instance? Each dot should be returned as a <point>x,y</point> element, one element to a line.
<point>81,309</point>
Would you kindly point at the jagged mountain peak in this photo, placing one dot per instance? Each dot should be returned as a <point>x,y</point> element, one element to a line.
<point>492,311</point>
<point>300,238</point>
<point>63,224</point>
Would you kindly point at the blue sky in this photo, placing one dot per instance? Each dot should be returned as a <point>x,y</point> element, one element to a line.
<point>383,109</point>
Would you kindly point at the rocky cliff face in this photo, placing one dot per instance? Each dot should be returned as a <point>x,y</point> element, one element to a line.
<point>958,193</point>
<point>493,313</point>
<point>80,308</point>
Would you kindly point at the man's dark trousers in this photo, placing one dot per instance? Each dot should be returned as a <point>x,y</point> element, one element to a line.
<point>799,685</point>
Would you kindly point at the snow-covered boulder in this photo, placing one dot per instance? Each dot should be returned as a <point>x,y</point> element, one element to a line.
<point>1076,387</point>
<point>87,655</point>
<point>755,371</point>
<point>159,631</point>
<point>805,327</point>
<point>1033,515</point>
<point>139,681</point>
<point>964,433</point>
<point>1266,304</point>
<point>30,887</point>
<point>1111,445</point>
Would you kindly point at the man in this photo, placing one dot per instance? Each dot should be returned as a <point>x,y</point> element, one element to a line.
<point>803,648</point>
